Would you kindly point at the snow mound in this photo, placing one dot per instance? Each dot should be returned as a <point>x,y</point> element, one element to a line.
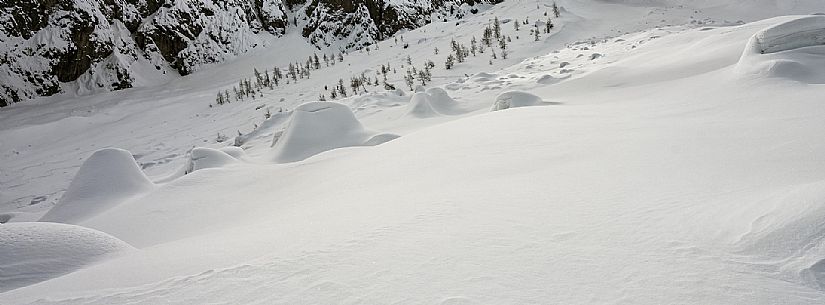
<point>316,127</point>
<point>420,106</point>
<point>105,179</point>
<point>203,157</point>
<point>514,99</point>
<point>33,252</point>
<point>549,79</point>
<point>430,103</point>
<point>234,151</point>
<point>793,49</point>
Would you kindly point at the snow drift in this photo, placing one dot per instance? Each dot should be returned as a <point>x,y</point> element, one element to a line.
<point>792,49</point>
<point>316,127</point>
<point>33,252</point>
<point>430,103</point>
<point>513,99</point>
<point>105,179</point>
<point>203,157</point>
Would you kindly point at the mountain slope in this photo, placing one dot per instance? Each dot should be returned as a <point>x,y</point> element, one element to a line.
<point>659,157</point>
<point>83,46</point>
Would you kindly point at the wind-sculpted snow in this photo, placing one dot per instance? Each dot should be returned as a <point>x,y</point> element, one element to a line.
<point>105,179</point>
<point>203,157</point>
<point>803,32</point>
<point>665,179</point>
<point>793,49</point>
<point>32,252</point>
<point>431,102</point>
<point>316,127</point>
<point>514,99</point>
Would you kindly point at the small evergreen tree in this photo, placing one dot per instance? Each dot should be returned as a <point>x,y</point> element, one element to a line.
<point>422,76</point>
<point>487,37</point>
<point>496,28</point>
<point>450,62</point>
<point>341,89</point>
<point>409,79</point>
<point>556,11</point>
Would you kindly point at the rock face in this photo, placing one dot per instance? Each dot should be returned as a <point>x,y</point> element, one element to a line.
<point>54,46</point>
<point>359,23</point>
<point>82,46</point>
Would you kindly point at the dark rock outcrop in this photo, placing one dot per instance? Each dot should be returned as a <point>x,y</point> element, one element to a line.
<point>82,46</point>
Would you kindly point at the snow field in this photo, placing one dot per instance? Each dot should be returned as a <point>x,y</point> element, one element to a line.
<point>666,177</point>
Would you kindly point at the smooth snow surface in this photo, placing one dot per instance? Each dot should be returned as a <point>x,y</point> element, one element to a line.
<point>680,167</point>
<point>33,252</point>
<point>316,127</point>
<point>107,178</point>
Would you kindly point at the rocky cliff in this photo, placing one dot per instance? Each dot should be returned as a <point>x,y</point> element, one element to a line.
<point>82,46</point>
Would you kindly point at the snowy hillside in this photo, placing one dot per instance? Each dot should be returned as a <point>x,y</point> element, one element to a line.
<point>621,152</point>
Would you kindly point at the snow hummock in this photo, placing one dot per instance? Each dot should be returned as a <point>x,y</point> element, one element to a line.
<point>33,252</point>
<point>420,106</point>
<point>793,49</point>
<point>430,103</point>
<point>105,179</point>
<point>514,99</point>
<point>667,179</point>
<point>203,157</point>
<point>316,127</point>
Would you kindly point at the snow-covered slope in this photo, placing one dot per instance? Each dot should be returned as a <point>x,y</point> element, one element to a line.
<point>655,164</point>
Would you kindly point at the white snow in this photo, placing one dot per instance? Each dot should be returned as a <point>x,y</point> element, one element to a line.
<point>37,251</point>
<point>106,178</point>
<point>316,127</point>
<point>432,102</point>
<point>797,33</point>
<point>203,157</point>
<point>514,99</point>
<point>794,49</point>
<point>674,170</point>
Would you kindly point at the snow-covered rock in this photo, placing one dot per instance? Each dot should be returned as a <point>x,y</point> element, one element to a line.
<point>420,106</point>
<point>431,102</point>
<point>33,252</point>
<point>316,127</point>
<point>514,99</point>
<point>203,157</point>
<point>105,179</point>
